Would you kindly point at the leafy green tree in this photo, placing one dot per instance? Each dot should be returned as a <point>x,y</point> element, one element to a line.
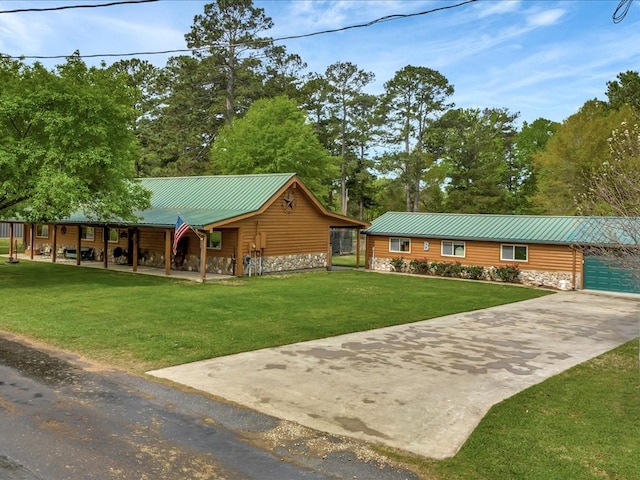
<point>476,148</point>
<point>413,98</point>
<point>67,142</point>
<point>625,90</point>
<point>531,139</point>
<point>146,78</point>
<point>274,137</point>
<point>581,144</point>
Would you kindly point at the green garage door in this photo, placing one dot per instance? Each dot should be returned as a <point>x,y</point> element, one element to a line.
<point>600,274</point>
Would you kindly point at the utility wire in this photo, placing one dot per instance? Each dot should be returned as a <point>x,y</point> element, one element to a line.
<point>621,10</point>
<point>386,18</point>
<point>69,7</point>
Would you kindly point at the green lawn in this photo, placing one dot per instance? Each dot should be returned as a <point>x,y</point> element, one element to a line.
<point>346,260</point>
<point>581,424</point>
<point>141,322</point>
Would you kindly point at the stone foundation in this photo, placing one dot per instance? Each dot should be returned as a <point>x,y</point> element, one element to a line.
<point>286,263</point>
<point>559,280</point>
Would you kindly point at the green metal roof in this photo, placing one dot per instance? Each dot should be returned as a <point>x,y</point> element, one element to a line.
<point>203,200</point>
<point>502,228</point>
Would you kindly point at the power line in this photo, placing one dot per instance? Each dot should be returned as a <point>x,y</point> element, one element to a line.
<point>69,7</point>
<point>621,10</point>
<point>386,18</point>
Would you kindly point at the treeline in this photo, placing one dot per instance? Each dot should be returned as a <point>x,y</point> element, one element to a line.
<point>240,104</point>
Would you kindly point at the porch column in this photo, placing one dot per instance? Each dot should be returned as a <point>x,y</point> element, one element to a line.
<point>11,243</point>
<point>32,239</point>
<point>105,246</point>
<point>135,249</point>
<point>358,248</point>
<point>167,252</point>
<point>239,255</point>
<point>203,257</point>
<point>79,245</point>
<point>54,248</point>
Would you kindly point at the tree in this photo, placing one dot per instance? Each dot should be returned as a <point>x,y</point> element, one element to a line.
<point>67,142</point>
<point>531,139</point>
<point>274,137</point>
<point>227,37</point>
<point>579,146</point>
<point>413,98</point>
<point>476,151</point>
<point>345,83</point>
<point>625,90</point>
<point>144,77</point>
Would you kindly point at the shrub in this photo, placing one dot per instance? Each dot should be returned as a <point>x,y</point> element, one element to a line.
<point>456,270</point>
<point>397,264</point>
<point>419,265</point>
<point>507,273</point>
<point>442,269</point>
<point>474,272</point>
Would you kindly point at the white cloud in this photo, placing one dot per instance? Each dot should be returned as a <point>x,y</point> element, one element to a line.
<point>545,18</point>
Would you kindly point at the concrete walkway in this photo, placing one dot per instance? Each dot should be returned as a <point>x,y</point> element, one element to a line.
<point>421,387</point>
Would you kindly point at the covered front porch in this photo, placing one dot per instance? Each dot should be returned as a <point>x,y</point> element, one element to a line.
<point>192,276</point>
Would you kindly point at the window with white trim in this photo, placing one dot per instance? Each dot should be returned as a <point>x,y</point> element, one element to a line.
<point>42,231</point>
<point>453,249</point>
<point>214,240</point>
<point>400,245</point>
<point>517,253</point>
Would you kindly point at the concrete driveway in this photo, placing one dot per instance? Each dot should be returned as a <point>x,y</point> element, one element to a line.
<point>421,387</point>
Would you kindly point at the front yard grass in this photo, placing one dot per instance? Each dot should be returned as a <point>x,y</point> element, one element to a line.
<point>141,322</point>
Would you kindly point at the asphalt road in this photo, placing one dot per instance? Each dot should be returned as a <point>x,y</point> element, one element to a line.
<point>61,419</point>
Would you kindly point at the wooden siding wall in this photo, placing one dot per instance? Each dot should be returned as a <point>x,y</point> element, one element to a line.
<point>69,239</point>
<point>304,230</point>
<point>541,257</point>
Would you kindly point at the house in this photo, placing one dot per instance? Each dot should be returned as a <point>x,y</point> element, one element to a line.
<point>240,225</point>
<point>550,251</point>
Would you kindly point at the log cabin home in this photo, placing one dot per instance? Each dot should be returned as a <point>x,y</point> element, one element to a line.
<point>240,225</point>
<point>551,251</point>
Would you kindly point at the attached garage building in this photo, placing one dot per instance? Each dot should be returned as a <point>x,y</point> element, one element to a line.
<point>555,251</point>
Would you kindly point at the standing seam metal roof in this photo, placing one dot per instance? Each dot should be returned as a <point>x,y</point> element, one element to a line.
<point>502,228</point>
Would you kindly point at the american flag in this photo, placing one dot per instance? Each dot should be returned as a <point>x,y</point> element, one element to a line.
<point>182,227</point>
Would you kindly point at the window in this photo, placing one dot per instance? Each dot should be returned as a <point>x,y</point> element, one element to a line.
<point>400,245</point>
<point>42,231</point>
<point>453,249</point>
<point>214,240</point>
<point>114,235</point>
<point>518,253</point>
<point>87,233</point>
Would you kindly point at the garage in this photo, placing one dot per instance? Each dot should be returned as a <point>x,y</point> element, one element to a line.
<point>600,273</point>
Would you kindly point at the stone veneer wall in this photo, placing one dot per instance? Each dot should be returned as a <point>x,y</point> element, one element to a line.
<point>288,263</point>
<point>559,280</point>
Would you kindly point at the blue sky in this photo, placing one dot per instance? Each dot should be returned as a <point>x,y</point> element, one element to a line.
<point>541,58</point>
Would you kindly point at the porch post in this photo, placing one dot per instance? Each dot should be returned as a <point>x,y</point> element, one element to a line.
<point>239,255</point>
<point>203,257</point>
<point>79,245</point>
<point>105,246</point>
<point>32,239</point>
<point>135,249</point>
<point>54,248</point>
<point>11,243</point>
<point>167,252</point>
<point>358,248</point>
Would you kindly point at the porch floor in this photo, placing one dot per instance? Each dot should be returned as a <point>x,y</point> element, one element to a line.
<point>142,270</point>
